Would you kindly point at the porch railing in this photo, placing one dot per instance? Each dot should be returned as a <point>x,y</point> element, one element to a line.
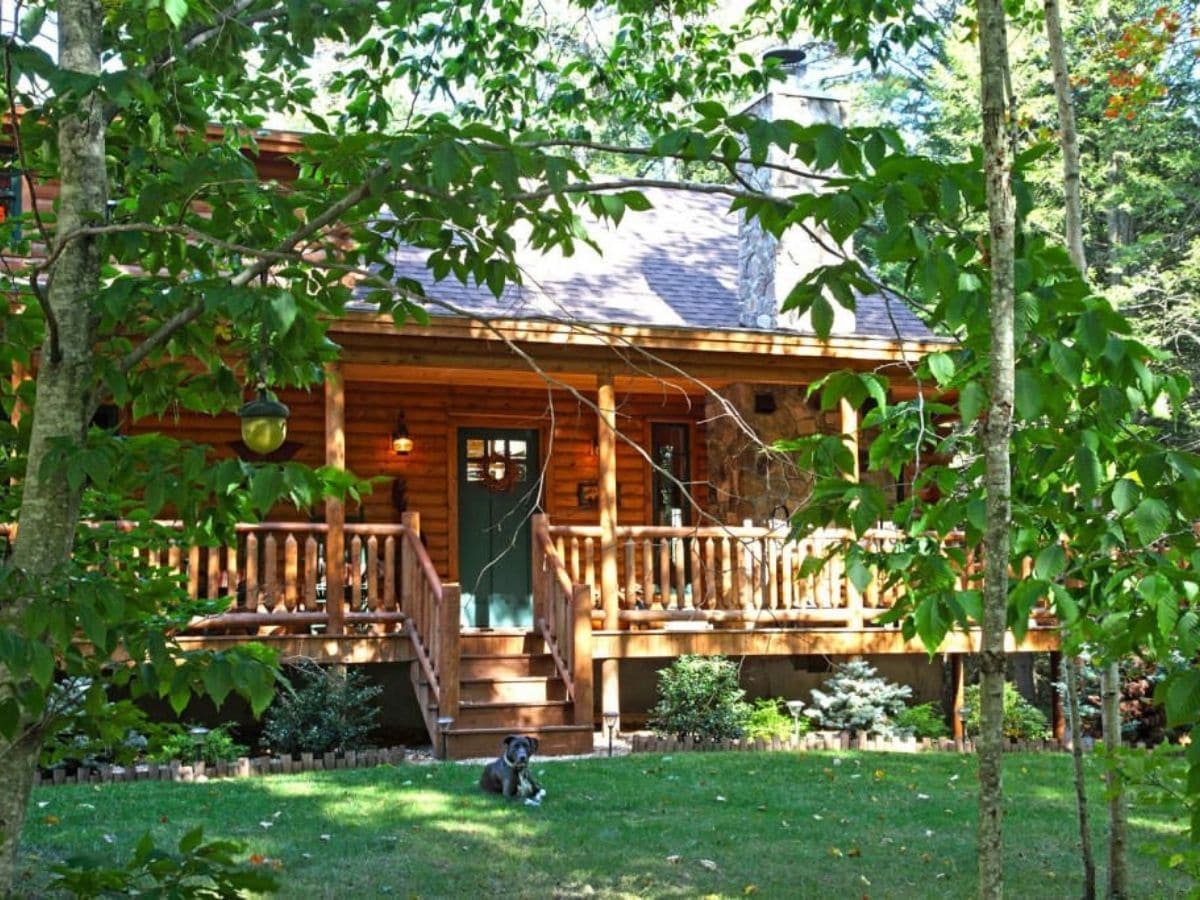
<point>274,578</point>
<point>724,574</point>
<point>562,613</point>
<point>434,609</point>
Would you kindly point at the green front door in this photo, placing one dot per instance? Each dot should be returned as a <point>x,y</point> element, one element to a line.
<point>498,478</point>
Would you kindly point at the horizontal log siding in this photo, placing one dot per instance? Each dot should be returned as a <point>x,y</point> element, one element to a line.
<point>432,412</point>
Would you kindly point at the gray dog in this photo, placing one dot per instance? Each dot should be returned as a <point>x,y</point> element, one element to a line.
<point>509,775</point>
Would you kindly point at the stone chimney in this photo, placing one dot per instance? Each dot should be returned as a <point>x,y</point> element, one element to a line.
<point>767,268</point>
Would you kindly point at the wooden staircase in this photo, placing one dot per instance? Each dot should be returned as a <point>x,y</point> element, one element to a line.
<point>508,684</point>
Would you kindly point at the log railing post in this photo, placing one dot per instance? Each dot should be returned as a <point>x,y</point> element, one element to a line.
<point>335,510</point>
<point>409,572</point>
<point>448,650</point>
<point>606,408</point>
<point>581,654</point>
<point>541,602</point>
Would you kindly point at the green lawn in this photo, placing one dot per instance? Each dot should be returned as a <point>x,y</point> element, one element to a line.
<point>724,824</point>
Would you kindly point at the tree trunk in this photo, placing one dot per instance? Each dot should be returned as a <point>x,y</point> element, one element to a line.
<point>1070,677</point>
<point>49,508</point>
<point>1070,137</point>
<point>1110,715</point>
<point>997,161</point>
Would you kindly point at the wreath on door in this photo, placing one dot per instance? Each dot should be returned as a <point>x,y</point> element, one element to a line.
<point>498,472</point>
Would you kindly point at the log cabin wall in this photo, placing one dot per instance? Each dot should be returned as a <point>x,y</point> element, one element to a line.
<point>433,413</point>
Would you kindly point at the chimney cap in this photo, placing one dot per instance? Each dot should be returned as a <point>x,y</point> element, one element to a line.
<point>788,57</point>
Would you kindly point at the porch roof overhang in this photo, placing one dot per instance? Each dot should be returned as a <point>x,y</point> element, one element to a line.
<point>524,350</point>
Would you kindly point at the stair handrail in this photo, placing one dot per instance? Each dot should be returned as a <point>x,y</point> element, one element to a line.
<point>564,620</point>
<point>433,610</point>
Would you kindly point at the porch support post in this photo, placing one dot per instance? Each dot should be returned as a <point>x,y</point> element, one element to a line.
<point>1058,724</point>
<point>849,429</point>
<point>335,510</point>
<point>957,679</point>
<point>607,412</point>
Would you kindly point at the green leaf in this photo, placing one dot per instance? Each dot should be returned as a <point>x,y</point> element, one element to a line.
<point>191,840</point>
<point>859,574</point>
<point>176,11</point>
<point>10,717</point>
<point>31,22</point>
<point>218,680</point>
<point>1028,394</point>
<point>1050,563</point>
<point>1087,471</point>
<point>931,625</point>
<point>971,401</point>
<point>1150,519</point>
<point>822,316</point>
<point>1125,494</point>
<point>1183,697</point>
<point>1067,362</point>
<point>41,664</point>
<point>941,367</point>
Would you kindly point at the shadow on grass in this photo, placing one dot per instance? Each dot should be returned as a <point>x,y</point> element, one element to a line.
<point>778,824</point>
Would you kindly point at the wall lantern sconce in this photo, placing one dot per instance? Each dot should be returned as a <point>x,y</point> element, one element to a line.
<point>402,442</point>
<point>264,423</point>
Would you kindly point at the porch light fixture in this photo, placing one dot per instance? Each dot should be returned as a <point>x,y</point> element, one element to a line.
<point>610,723</point>
<point>264,422</point>
<point>402,442</point>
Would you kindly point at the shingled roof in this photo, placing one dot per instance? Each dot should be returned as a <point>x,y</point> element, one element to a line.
<point>675,265</point>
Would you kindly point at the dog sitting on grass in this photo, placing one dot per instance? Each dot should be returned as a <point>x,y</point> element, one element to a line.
<point>509,775</point>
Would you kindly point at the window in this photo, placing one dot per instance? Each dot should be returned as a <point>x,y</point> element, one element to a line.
<point>670,448</point>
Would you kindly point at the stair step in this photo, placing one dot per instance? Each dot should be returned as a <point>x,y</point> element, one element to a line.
<point>517,689</point>
<point>505,665</point>
<point>514,716</point>
<point>553,740</point>
<point>482,643</point>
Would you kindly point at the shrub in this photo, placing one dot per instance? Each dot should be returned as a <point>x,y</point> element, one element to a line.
<point>856,699</point>
<point>213,746</point>
<point>925,720</point>
<point>770,719</point>
<point>1022,720</point>
<point>699,697</point>
<point>199,869</point>
<point>328,712</point>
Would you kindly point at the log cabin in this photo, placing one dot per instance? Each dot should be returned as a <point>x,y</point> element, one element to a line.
<point>574,484</point>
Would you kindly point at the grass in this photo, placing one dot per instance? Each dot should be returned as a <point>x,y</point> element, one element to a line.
<point>775,825</point>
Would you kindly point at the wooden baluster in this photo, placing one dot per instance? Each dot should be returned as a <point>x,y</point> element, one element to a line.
<point>193,573</point>
<point>373,598</point>
<point>411,601</point>
<point>710,574</point>
<point>250,604</point>
<point>770,569</point>
<point>728,600</point>
<point>664,573</point>
<point>291,573</point>
<point>697,553</point>
<point>740,568</point>
<point>174,558</point>
<point>837,580</point>
<point>310,573</point>
<point>448,650</point>
<point>630,556</point>
<point>389,576</point>
<point>785,575</point>
<point>589,562</point>
<point>649,597</point>
<point>760,573</point>
<point>212,589</point>
<point>578,624</point>
<point>560,547</point>
<point>575,570</point>
<point>270,581</point>
<point>231,576</point>
<point>355,573</point>
<point>679,558</point>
